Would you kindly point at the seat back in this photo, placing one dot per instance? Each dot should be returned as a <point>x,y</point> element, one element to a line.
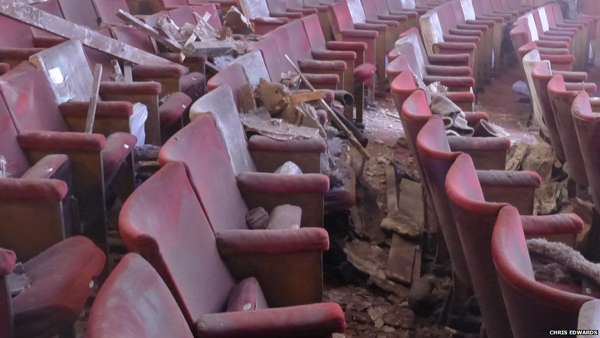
<point>520,35</point>
<point>475,219</point>
<point>270,54</point>
<point>133,37</point>
<point>67,71</point>
<point>182,15</point>
<point>382,6</point>
<point>414,37</point>
<point>107,9</point>
<point>254,65</point>
<point>558,15</point>
<point>30,99</point>
<point>16,160</point>
<point>562,100</point>
<point>369,9</point>
<point>431,28</point>
<point>407,51</point>
<point>587,125</point>
<point>529,61</point>
<point>301,44</point>
<point>253,9</point>
<point>446,15</point>
<point>437,158</point>
<point>414,113</point>
<point>81,12</point>
<point>541,74</point>
<point>541,25</point>
<point>277,6</point>
<point>528,301</point>
<point>457,9</point>
<point>340,17</point>
<point>135,302</point>
<point>468,9</point>
<point>220,103</point>
<point>550,15</point>
<point>164,222</point>
<point>284,47</point>
<point>199,146</point>
<point>357,12</point>
<point>15,34</point>
<point>233,76</point>
<point>314,33</point>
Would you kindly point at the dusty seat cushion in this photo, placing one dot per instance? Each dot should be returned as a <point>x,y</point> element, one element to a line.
<point>193,85</point>
<point>46,167</point>
<point>118,146</point>
<point>174,106</point>
<point>246,296</point>
<point>285,217</point>
<point>60,286</point>
<point>364,72</point>
<point>8,259</point>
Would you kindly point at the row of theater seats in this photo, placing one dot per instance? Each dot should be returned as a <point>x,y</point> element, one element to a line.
<point>195,205</point>
<point>59,172</point>
<point>484,213</point>
<point>485,239</point>
<point>564,42</point>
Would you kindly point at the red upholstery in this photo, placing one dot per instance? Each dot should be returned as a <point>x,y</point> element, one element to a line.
<point>107,9</point>
<point>134,301</point>
<point>561,100</point>
<point>60,285</point>
<point>268,48</point>
<point>193,140</point>
<point>436,156</point>
<point>556,52</point>
<point>475,219</point>
<point>541,76</point>
<point>313,320</point>
<point>587,125</point>
<point>528,301</point>
<point>341,22</point>
<point>247,296</point>
<point>172,110</point>
<point>162,229</point>
<point>8,260</point>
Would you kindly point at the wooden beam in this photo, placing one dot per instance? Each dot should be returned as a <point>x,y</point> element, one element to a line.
<point>37,18</point>
<point>91,115</point>
<point>135,22</point>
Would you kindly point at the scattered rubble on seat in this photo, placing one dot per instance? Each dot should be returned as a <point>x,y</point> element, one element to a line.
<point>261,122</point>
<point>237,22</point>
<point>538,157</point>
<point>18,281</point>
<point>257,218</point>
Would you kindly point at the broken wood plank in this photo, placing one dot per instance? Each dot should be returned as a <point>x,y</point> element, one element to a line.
<point>246,98</point>
<point>391,191</point>
<point>416,274</point>
<point>397,221</point>
<point>411,201</point>
<point>53,24</point>
<point>401,260</point>
<point>298,98</point>
<point>128,72</point>
<point>117,74</point>
<point>191,39</point>
<point>91,115</point>
<point>208,48</point>
<point>153,33</point>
